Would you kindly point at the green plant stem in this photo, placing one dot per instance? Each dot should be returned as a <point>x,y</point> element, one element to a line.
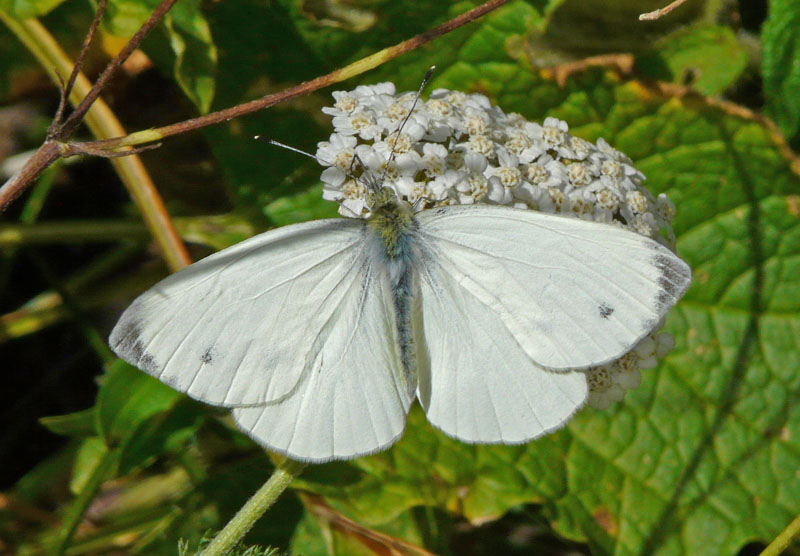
<point>78,508</point>
<point>47,308</point>
<point>103,124</point>
<point>28,216</point>
<point>784,539</point>
<point>209,230</point>
<point>72,231</point>
<point>259,503</point>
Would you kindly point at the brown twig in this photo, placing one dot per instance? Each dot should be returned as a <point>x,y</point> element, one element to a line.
<point>77,115</point>
<point>336,76</point>
<point>102,122</point>
<point>622,62</point>
<point>36,165</point>
<point>48,153</point>
<point>72,149</point>
<point>375,541</point>
<point>657,14</point>
<point>55,127</point>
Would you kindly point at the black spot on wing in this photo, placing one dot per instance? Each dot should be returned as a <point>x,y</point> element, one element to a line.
<point>605,310</point>
<point>208,356</point>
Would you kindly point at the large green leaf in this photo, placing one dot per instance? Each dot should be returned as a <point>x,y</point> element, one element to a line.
<point>780,39</point>
<point>703,457</point>
<point>691,55</point>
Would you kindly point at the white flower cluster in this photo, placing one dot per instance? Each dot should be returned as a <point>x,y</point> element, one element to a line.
<point>458,148</point>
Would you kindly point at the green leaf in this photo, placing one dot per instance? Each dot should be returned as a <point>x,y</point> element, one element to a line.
<point>79,424</point>
<point>780,38</point>
<point>301,207</point>
<point>23,9</point>
<point>160,434</point>
<point>127,398</point>
<point>691,56</point>
<point>589,27</point>
<point>124,17</point>
<point>194,54</point>
<point>374,27</point>
<point>90,455</point>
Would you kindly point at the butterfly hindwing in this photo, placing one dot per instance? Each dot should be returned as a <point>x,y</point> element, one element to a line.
<point>355,397</point>
<point>475,381</point>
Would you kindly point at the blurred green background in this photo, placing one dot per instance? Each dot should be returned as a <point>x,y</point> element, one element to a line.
<point>703,459</point>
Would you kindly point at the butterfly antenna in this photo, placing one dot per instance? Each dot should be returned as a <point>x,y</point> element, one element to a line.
<point>405,120</point>
<point>367,177</point>
<point>348,173</point>
<point>293,149</point>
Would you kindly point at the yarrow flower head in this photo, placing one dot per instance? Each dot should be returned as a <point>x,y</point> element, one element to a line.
<point>458,148</point>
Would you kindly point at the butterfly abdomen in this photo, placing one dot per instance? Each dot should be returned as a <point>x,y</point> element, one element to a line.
<point>393,226</point>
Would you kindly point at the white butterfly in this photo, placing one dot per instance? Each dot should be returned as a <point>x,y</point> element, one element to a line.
<point>320,335</point>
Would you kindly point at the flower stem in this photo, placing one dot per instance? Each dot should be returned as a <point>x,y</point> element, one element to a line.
<point>259,503</point>
<point>78,508</point>
<point>784,539</point>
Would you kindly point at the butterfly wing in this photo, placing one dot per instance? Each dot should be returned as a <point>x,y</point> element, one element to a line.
<point>572,293</point>
<point>294,328</point>
<point>475,381</point>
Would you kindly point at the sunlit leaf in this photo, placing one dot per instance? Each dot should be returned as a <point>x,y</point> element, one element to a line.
<point>127,398</point>
<point>79,424</point>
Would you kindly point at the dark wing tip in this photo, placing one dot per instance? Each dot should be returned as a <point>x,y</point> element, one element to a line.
<point>125,340</point>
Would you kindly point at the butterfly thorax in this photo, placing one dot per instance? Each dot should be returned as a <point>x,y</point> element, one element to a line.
<point>392,221</point>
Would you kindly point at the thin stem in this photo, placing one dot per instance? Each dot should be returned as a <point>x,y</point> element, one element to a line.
<point>78,508</point>
<point>337,76</point>
<point>784,539</point>
<point>657,14</point>
<point>55,127</point>
<point>47,308</point>
<point>33,168</point>
<point>95,340</point>
<point>27,218</point>
<point>102,123</point>
<point>56,232</point>
<point>80,111</point>
<point>253,509</point>
<point>72,231</point>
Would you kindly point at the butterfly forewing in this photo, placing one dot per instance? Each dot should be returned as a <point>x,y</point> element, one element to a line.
<point>225,329</point>
<point>572,293</point>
